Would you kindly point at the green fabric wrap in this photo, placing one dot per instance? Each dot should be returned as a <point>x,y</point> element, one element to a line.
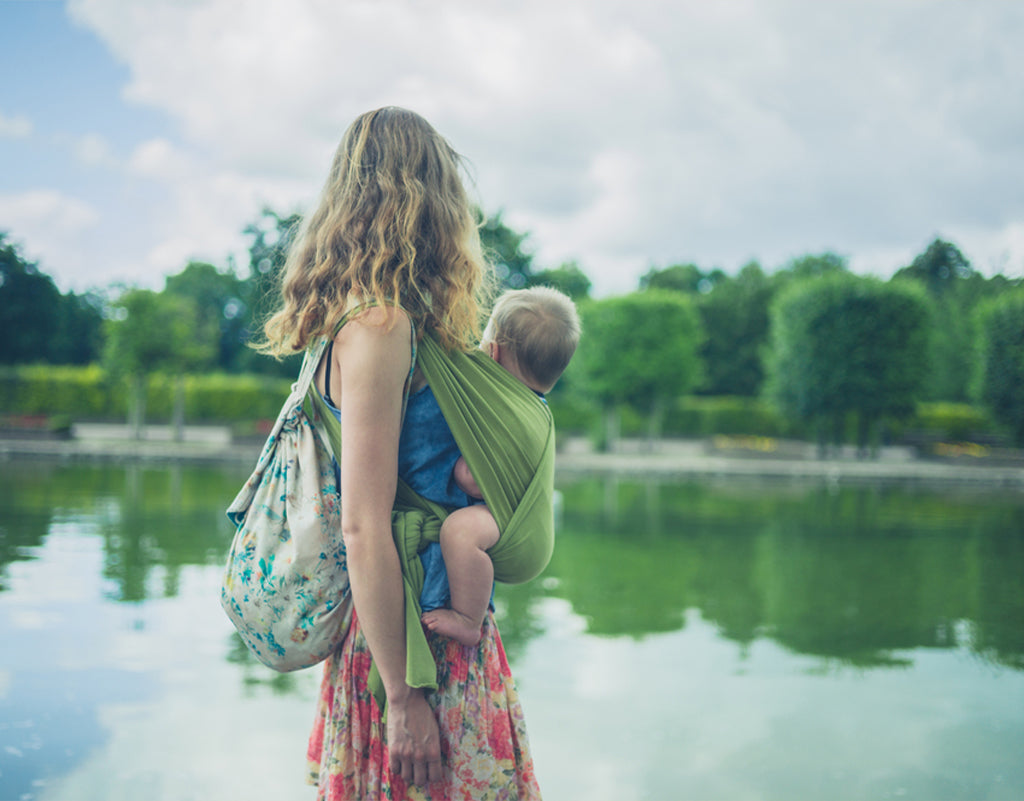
<point>507,436</point>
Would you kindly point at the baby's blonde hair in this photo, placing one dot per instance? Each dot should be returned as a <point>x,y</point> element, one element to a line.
<point>540,328</point>
<point>393,226</point>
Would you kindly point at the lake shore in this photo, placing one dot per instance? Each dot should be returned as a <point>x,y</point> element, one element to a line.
<point>719,457</point>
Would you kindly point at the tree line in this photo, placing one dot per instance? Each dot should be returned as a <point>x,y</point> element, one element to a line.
<point>824,346</point>
<point>827,347</point>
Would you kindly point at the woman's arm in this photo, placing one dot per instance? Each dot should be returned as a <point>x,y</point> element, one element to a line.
<point>373,363</point>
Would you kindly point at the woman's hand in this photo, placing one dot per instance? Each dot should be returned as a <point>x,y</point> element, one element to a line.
<point>414,741</point>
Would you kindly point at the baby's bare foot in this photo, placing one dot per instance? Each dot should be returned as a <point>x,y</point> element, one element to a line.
<point>453,624</point>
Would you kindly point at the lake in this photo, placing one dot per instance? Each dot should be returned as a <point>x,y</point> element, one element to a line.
<point>710,640</point>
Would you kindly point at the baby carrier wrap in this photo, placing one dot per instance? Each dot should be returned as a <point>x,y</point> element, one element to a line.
<point>507,436</point>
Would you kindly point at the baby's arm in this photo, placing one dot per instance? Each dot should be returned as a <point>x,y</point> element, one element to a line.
<point>464,479</point>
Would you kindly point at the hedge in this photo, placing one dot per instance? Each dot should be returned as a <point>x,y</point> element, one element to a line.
<point>83,392</point>
<point>688,417</point>
<point>707,416</point>
<point>89,393</point>
<point>952,422</point>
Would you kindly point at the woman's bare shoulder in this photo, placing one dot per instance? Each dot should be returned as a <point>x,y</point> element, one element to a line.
<point>376,322</point>
<point>375,341</point>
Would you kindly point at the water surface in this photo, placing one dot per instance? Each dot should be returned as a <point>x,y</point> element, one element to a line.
<point>689,640</point>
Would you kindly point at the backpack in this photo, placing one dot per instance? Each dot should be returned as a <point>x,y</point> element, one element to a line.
<point>286,583</point>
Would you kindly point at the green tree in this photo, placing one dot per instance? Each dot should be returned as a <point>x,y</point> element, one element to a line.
<point>1000,374</point>
<point>148,332</point>
<point>735,319</point>
<point>686,278</point>
<point>505,249</point>
<point>567,278</point>
<point>954,290</point>
<point>940,268</point>
<point>218,298</point>
<point>79,335</point>
<point>29,308</point>
<point>39,323</point>
<point>734,315</point>
<point>640,349</point>
<point>843,345</point>
<point>812,265</point>
<point>271,236</point>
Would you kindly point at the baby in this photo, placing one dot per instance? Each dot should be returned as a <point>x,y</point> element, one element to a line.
<point>533,334</point>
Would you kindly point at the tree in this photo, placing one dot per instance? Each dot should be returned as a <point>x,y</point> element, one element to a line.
<point>640,349</point>
<point>686,278</point>
<point>79,335</point>
<point>813,265</point>
<point>844,345</point>
<point>504,248</point>
<point>218,300</point>
<point>29,308</point>
<point>148,332</point>
<point>272,235</point>
<point>939,268</point>
<point>1000,375</point>
<point>954,290</point>
<point>567,278</point>
<point>39,323</point>
<point>735,319</point>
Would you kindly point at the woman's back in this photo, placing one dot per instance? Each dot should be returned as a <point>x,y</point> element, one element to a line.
<point>395,225</point>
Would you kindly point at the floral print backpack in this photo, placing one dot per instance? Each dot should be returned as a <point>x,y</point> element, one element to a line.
<point>286,585</point>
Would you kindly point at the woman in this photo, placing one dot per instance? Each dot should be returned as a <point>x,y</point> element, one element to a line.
<point>392,251</point>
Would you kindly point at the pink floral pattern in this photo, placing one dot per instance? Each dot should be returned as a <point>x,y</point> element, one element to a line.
<point>484,747</point>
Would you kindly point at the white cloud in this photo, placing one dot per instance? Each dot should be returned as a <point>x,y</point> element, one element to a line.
<point>47,210</point>
<point>619,133</point>
<point>94,150</point>
<point>160,159</point>
<point>207,204</point>
<point>52,227</point>
<point>17,127</point>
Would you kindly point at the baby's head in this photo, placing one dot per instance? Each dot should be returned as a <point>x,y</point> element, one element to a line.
<point>533,334</point>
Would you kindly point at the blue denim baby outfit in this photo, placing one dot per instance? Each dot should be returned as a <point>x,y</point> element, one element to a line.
<point>427,454</point>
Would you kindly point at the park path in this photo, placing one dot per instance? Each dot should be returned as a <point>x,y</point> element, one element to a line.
<point>665,459</point>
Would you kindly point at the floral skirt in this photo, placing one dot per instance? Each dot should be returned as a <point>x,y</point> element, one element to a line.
<point>484,750</point>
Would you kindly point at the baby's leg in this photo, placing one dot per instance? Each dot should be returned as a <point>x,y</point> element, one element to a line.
<point>466,534</point>
<point>464,479</point>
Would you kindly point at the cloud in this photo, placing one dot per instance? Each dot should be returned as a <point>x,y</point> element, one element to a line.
<point>207,205</point>
<point>160,159</point>
<point>47,210</point>
<point>93,150</point>
<point>53,228</point>
<point>621,134</point>
<point>16,127</point>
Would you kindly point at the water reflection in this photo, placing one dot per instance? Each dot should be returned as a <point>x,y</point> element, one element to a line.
<point>853,574</point>
<point>116,652</point>
<point>151,519</point>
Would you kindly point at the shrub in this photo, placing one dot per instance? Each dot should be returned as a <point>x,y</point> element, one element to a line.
<point>83,392</point>
<point>225,397</point>
<point>89,393</point>
<point>1001,361</point>
<point>952,422</point>
<point>707,416</point>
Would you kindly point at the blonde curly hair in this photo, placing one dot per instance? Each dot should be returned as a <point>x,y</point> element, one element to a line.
<point>394,226</point>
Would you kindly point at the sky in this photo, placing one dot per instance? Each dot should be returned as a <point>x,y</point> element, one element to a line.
<point>622,134</point>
